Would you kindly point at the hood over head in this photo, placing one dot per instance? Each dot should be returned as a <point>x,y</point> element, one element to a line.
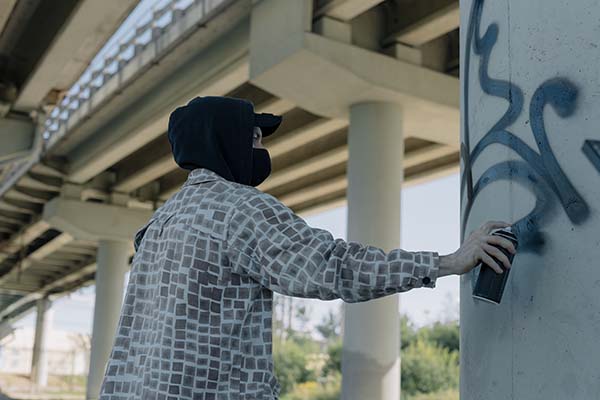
<point>216,133</point>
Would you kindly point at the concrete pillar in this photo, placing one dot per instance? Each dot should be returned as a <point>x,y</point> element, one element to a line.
<point>112,260</point>
<point>370,359</point>
<point>39,359</point>
<point>531,156</point>
<point>113,226</point>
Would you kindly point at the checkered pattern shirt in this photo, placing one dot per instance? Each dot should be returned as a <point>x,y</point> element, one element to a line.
<point>196,317</point>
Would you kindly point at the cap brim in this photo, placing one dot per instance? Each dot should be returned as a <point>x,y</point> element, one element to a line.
<point>268,123</point>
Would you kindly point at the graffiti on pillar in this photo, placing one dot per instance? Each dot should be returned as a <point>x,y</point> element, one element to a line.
<point>538,171</point>
<point>591,148</point>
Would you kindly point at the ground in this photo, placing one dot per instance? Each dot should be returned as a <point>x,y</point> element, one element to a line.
<point>15,386</point>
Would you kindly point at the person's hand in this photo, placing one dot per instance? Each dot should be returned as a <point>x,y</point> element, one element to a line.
<point>478,247</point>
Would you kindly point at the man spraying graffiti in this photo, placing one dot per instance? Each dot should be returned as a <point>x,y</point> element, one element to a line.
<point>196,320</point>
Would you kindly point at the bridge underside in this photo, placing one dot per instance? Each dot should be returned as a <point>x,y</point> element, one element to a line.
<point>109,146</point>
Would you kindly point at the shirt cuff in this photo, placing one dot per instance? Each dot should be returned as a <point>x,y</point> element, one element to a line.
<point>427,266</point>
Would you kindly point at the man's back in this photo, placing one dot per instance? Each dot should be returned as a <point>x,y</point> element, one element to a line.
<point>189,326</point>
<point>196,320</point>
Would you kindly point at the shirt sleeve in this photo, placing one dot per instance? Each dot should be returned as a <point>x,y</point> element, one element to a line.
<point>267,241</point>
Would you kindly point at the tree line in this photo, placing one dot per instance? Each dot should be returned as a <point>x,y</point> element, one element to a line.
<point>310,369</point>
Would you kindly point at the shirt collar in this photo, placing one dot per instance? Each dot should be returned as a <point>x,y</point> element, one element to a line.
<point>200,175</point>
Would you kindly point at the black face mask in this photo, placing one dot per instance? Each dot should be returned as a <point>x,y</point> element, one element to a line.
<point>261,166</point>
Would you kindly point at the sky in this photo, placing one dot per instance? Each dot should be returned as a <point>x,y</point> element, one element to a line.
<point>429,221</point>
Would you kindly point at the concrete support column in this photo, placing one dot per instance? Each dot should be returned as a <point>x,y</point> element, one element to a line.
<point>39,359</point>
<point>112,261</point>
<point>371,352</point>
<point>531,156</point>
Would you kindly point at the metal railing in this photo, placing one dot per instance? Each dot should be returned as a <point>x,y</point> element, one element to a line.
<point>115,64</point>
<point>127,49</point>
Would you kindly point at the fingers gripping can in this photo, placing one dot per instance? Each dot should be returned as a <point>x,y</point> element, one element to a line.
<point>490,284</point>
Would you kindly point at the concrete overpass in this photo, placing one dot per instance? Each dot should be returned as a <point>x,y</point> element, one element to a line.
<point>370,98</point>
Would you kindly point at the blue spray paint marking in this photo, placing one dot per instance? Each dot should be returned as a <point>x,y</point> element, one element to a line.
<point>561,95</point>
<point>591,148</point>
<point>539,172</point>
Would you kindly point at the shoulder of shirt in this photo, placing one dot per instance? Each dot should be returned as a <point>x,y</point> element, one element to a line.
<point>250,196</point>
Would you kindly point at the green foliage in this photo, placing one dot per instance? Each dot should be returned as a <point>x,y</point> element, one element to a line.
<point>329,389</point>
<point>426,368</point>
<point>448,394</point>
<point>304,340</point>
<point>444,335</point>
<point>334,362</point>
<point>429,364</point>
<point>408,332</point>
<point>290,360</point>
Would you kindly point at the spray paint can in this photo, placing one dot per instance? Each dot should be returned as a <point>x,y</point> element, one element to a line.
<point>490,284</point>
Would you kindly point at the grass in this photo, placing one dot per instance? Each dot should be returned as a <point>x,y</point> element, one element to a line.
<point>59,387</point>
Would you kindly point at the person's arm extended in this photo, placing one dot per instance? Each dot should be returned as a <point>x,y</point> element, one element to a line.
<point>270,243</point>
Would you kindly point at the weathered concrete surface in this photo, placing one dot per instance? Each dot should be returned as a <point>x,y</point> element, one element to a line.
<point>529,126</point>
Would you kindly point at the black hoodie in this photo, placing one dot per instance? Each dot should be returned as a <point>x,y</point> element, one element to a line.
<point>216,133</point>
